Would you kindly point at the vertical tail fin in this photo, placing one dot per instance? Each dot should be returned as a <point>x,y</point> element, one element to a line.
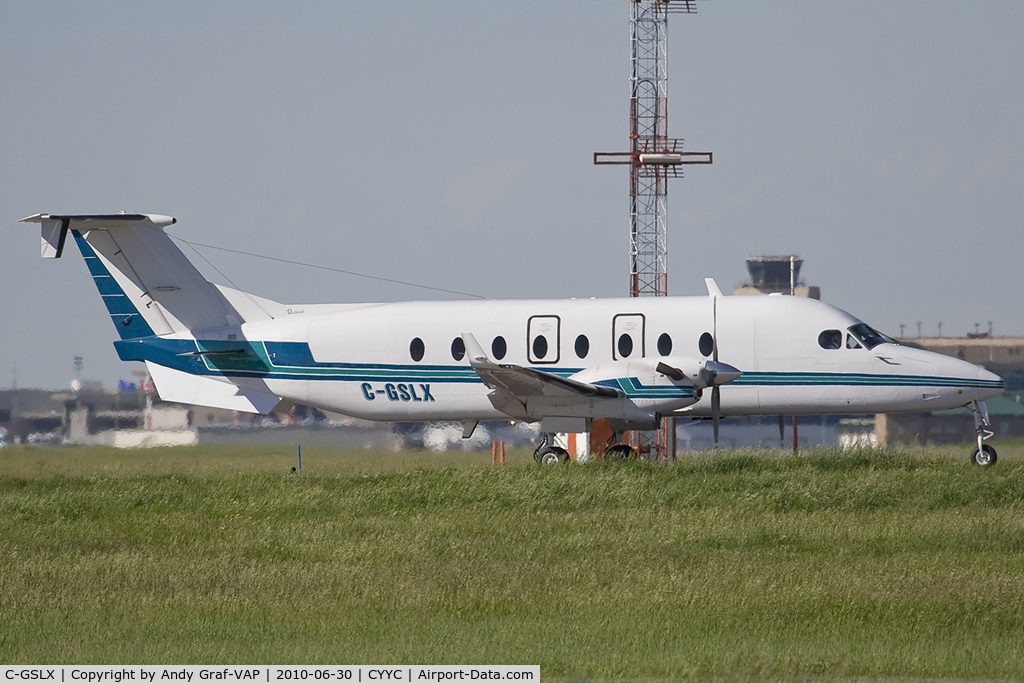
<point>151,290</point>
<point>147,284</point>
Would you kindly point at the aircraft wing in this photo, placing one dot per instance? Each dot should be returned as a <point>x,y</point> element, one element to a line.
<point>526,382</point>
<point>513,385</point>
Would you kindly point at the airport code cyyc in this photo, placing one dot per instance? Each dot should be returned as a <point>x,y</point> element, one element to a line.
<point>267,674</point>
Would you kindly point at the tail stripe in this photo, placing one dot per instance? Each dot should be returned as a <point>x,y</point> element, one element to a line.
<point>129,323</point>
<point>106,284</point>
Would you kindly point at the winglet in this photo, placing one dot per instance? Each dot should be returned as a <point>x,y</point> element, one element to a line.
<point>476,355</point>
<point>712,286</point>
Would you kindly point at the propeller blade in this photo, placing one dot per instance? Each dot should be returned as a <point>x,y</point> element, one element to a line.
<point>714,329</point>
<point>716,401</point>
<point>716,397</point>
<point>670,372</point>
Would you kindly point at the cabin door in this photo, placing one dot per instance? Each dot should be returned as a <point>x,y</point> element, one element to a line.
<point>543,339</point>
<point>628,336</point>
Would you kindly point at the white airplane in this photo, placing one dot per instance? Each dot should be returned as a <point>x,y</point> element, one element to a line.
<point>562,363</point>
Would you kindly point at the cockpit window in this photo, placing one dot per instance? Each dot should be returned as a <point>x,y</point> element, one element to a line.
<point>851,342</point>
<point>830,339</point>
<point>869,336</point>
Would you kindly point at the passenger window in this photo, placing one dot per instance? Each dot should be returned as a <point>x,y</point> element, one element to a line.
<point>582,346</point>
<point>499,348</point>
<point>830,339</point>
<point>707,344</point>
<point>664,344</point>
<point>625,345</point>
<point>458,348</point>
<point>540,346</point>
<point>852,343</point>
<point>416,349</point>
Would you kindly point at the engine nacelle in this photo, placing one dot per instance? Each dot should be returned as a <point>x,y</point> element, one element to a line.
<point>703,373</point>
<point>675,370</point>
<point>643,383</point>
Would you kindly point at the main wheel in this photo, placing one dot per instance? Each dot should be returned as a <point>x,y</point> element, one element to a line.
<point>985,458</point>
<point>620,452</point>
<point>550,455</point>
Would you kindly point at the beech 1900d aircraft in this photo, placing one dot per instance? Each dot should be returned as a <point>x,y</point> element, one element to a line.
<point>562,363</point>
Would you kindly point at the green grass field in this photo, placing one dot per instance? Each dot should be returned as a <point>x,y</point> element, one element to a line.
<point>723,566</point>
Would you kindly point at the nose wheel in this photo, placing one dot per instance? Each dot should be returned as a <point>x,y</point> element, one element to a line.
<point>983,455</point>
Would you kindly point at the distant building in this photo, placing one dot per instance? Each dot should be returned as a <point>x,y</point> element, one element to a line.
<point>776,275</point>
<point>125,419</point>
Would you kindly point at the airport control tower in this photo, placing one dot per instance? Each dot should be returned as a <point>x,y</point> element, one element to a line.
<point>776,275</point>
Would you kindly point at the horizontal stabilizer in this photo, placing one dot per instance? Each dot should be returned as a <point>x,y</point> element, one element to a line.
<point>181,387</point>
<point>55,228</point>
<point>147,284</point>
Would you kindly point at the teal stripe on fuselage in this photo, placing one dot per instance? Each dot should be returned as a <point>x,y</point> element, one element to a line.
<point>761,379</point>
<point>294,361</point>
<point>251,359</point>
<point>632,387</point>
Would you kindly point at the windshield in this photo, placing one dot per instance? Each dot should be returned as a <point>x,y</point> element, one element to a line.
<point>869,336</point>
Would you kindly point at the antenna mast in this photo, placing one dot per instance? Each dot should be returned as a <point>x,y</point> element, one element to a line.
<point>653,158</point>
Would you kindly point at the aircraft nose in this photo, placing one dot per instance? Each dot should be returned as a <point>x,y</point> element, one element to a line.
<point>991,384</point>
<point>978,384</point>
<point>957,379</point>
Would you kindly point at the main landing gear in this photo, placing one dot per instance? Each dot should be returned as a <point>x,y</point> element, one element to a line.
<point>983,455</point>
<point>619,452</point>
<point>548,453</point>
<point>616,450</point>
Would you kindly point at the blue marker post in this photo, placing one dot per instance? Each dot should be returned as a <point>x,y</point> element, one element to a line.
<point>300,458</point>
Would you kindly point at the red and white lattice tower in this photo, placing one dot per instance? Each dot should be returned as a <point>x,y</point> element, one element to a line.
<point>653,158</point>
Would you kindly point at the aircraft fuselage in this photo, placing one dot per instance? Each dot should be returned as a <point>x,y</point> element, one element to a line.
<point>407,361</point>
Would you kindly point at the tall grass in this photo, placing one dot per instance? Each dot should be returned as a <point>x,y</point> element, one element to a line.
<point>726,566</point>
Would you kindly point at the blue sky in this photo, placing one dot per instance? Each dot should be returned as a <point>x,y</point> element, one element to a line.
<point>450,143</point>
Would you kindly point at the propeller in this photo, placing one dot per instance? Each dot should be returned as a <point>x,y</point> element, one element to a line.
<point>717,373</point>
<point>716,393</point>
<point>714,373</point>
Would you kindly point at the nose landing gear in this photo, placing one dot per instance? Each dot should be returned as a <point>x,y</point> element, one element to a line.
<point>983,455</point>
